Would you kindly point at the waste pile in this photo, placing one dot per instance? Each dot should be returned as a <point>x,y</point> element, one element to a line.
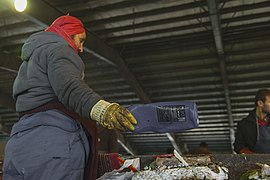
<point>260,173</point>
<point>171,168</point>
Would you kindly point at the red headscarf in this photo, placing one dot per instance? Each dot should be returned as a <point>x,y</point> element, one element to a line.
<point>65,26</point>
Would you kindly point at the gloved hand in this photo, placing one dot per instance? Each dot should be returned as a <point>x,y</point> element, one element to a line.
<point>245,151</point>
<point>112,115</point>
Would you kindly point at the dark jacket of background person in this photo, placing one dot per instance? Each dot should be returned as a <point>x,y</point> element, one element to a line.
<point>253,132</point>
<point>246,134</point>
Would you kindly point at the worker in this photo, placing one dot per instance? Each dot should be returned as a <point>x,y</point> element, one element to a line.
<point>253,131</point>
<point>202,149</point>
<point>56,135</point>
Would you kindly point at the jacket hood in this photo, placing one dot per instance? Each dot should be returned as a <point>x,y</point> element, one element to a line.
<point>40,39</point>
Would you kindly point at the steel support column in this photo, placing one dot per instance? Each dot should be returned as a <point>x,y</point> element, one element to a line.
<point>215,21</point>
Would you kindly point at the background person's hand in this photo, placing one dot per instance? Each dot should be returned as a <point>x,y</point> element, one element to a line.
<point>246,151</point>
<point>113,116</point>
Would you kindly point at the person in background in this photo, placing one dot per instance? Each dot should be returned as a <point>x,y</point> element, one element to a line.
<point>107,140</point>
<point>56,135</point>
<point>202,149</point>
<point>253,131</point>
<point>169,150</point>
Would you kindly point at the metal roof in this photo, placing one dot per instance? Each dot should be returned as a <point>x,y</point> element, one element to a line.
<point>214,53</point>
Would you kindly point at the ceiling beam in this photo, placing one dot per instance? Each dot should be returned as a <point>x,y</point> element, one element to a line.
<point>215,21</point>
<point>78,11</point>
<point>189,17</point>
<point>216,28</point>
<point>144,14</point>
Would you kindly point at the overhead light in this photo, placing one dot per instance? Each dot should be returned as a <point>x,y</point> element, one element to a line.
<point>20,5</point>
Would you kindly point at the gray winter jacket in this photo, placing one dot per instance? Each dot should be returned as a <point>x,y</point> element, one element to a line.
<point>51,69</point>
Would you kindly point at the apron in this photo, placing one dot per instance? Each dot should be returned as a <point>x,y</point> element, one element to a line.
<point>263,140</point>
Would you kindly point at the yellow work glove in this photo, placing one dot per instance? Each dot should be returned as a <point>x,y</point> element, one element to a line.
<point>112,116</point>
